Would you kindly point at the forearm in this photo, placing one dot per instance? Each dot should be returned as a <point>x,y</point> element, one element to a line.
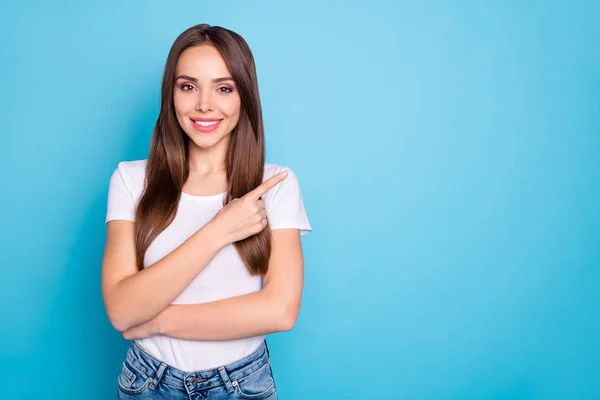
<point>236,317</point>
<point>145,294</point>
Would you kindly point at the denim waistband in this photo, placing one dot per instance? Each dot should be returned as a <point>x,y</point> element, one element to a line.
<point>197,380</point>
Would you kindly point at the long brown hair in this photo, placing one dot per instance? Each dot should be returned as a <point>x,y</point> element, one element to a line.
<point>167,168</point>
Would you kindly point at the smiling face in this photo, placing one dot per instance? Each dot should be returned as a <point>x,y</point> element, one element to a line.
<point>205,93</point>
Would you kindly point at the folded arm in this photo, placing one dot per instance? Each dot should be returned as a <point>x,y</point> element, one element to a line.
<point>131,297</point>
<point>275,308</point>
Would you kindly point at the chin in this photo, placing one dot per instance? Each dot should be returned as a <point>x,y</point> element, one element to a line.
<point>205,142</point>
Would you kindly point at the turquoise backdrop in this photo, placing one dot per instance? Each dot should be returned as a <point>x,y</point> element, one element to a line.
<point>448,154</point>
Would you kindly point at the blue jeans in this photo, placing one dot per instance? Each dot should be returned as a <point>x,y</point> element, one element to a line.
<point>144,377</point>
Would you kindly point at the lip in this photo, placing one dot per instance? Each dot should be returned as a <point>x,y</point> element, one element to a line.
<point>206,129</point>
<point>206,119</point>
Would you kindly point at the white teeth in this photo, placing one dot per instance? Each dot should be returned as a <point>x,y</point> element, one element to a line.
<point>206,123</point>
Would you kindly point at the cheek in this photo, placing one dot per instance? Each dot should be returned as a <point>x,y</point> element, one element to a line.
<point>232,108</point>
<point>182,103</point>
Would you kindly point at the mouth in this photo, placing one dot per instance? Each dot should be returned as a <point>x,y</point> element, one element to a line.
<point>205,124</point>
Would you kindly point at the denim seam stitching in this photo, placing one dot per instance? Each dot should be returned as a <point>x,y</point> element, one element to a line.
<point>173,386</point>
<point>236,379</point>
<point>254,396</point>
<point>134,391</point>
<point>129,373</point>
<point>253,371</point>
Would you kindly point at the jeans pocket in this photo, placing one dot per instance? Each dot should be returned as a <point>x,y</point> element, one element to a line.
<point>131,380</point>
<point>256,385</point>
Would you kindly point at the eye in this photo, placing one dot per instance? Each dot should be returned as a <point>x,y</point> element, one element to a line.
<point>229,90</point>
<point>186,85</point>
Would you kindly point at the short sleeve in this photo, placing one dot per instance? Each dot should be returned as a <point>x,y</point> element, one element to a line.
<point>120,200</point>
<point>284,205</point>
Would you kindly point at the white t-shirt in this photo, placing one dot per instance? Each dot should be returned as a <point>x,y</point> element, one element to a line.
<point>225,276</point>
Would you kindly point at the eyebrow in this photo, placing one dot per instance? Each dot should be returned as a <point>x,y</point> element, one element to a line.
<point>216,80</point>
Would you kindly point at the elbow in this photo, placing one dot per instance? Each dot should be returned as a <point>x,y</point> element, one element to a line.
<point>289,316</point>
<point>287,324</point>
<point>115,310</point>
<point>121,327</point>
<point>117,320</point>
<point>118,324</point>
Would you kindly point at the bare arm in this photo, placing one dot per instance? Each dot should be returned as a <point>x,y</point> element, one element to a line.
<point>133,297</point>
<point>275,308</point>
<point>236,317</point>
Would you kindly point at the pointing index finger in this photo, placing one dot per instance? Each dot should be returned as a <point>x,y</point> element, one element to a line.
<point>268,185</point>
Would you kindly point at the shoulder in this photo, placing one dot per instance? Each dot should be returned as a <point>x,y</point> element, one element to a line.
<point>288,187</point>
<point>133,174</point>
<point>136,167</point>
<point>283,202</point>
<point>273,169</point>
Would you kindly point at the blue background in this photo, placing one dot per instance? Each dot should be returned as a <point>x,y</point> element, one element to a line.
<point>449,159</point>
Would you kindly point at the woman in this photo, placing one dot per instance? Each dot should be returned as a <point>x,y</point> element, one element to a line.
<point>203,254</point>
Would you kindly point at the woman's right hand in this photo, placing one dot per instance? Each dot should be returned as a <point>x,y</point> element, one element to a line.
<point>246,216</point>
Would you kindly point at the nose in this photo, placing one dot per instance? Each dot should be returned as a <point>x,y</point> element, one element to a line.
<point>204,103</point>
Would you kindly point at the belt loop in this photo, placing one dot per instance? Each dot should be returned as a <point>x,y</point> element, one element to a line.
<point>225,378</point>
<point>159,374</point>
<point>267,346</point>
